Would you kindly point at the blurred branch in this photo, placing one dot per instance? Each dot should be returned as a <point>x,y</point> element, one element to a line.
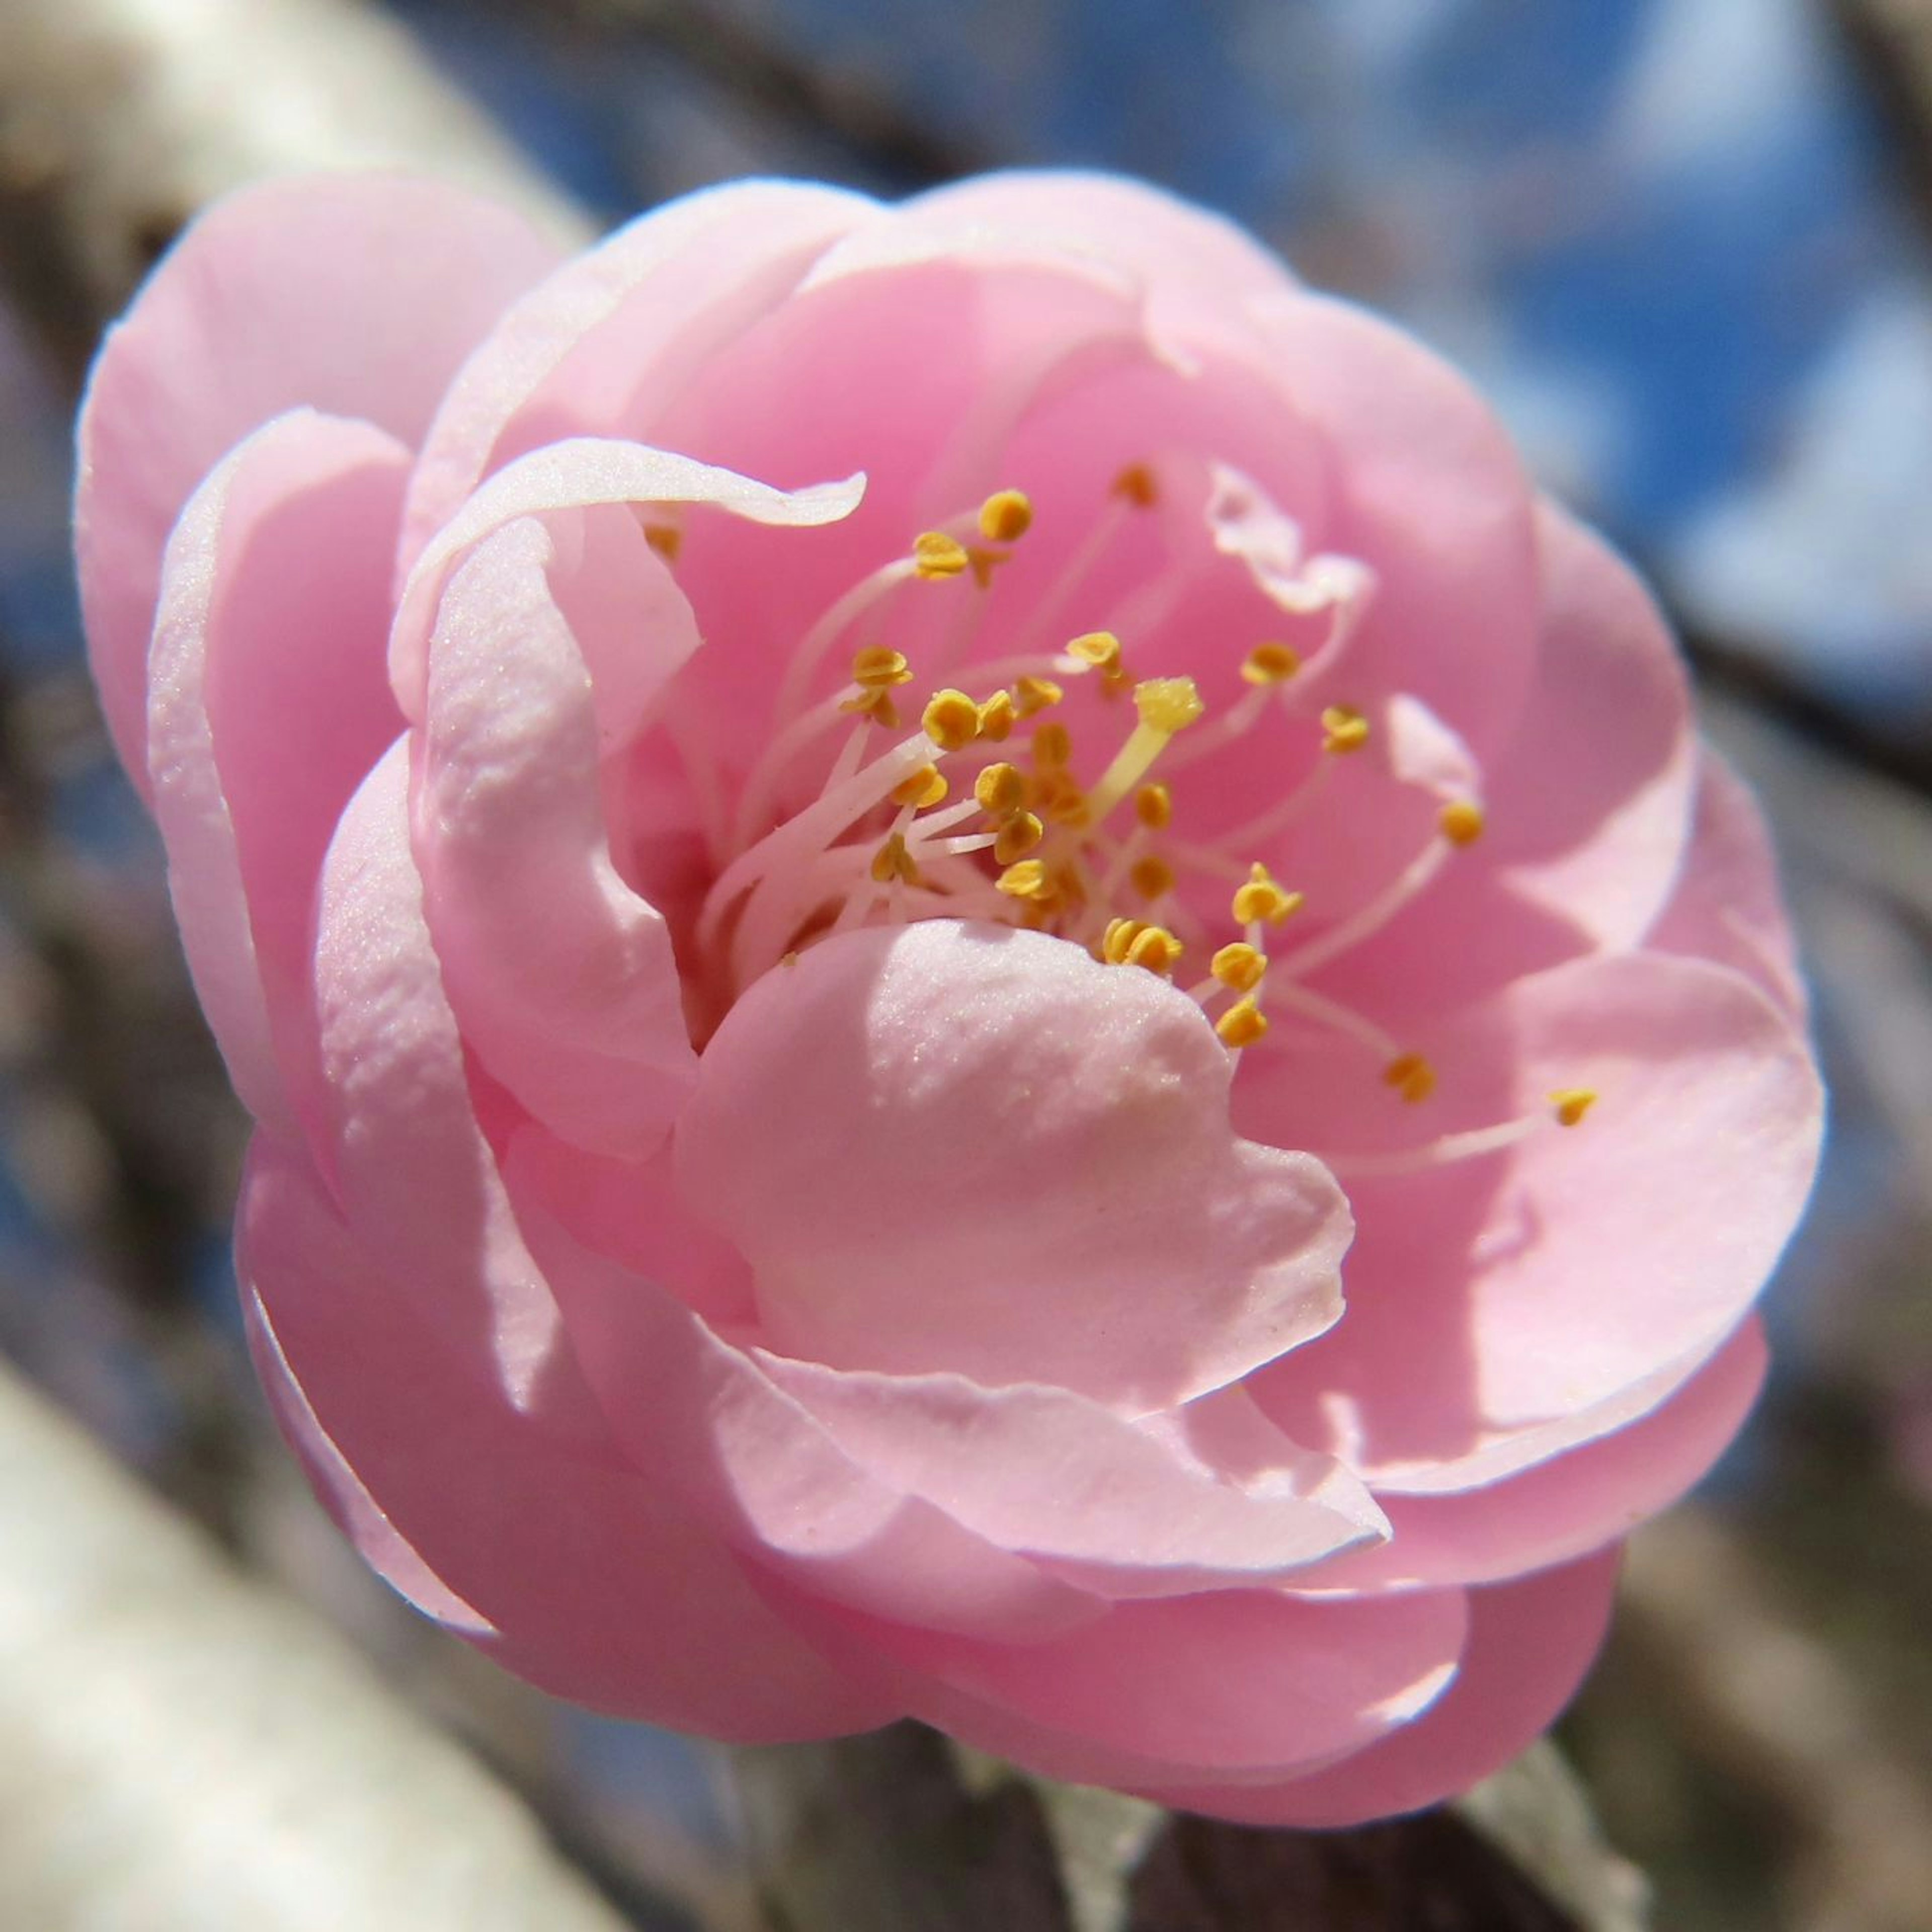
<point>900,1832</point>
<point>182,1751</point>
<point>1891,41</point>
<point>119,118</point>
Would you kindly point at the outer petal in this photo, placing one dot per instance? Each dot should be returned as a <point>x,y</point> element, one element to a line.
<point>577,475</point>
<point>1506,1307</point>
<point>1727,907</point>
<point>1119,1508</point>
<point>1530,1644</point>
<point>561,976</point>
<point>1575,1502</point>
<point>271,300</point>
<point>964,1147</point>
<point>570,1569</point>
<point>601,346</point>
<point>269,636</point>
<point>1241,1685</point>
<point>1434,498</point>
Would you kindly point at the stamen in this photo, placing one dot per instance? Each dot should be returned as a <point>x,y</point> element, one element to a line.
<point>892,861</point>
<point>1262,902</point>
<point>926,787</point>
<point>1152,876</point>
<point>1018,835</point>
<point>1461,821</point>
<point>1240,967</point>
<point>1036,694</point>
<point>951,720</point>
<point>1166,705</point>
<point>1006,516</point>
<point>876,666</point>
<point>996,717</point>
<point>666,539</point>
<point>1099,649</point>
<point>1345,730</point>
<point>1153,806</point>
<point>1241,1025</point>
<point>1136,484</point>
<point>1026,879</point>
<point>1373,916</point>
<point>1000,788</point>
<point>934,554</point>
<point>1411,1076</point>
<point>1052,746</point>
<point>1271,663</point>
<point>1572,1103</point>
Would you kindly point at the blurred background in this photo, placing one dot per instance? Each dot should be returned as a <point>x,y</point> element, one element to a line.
<point>1683,244</point>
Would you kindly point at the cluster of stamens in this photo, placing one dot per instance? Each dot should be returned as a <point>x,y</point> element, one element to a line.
<point>1026,841</point>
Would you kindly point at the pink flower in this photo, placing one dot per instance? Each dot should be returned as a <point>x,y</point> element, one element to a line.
<point>856,860</point>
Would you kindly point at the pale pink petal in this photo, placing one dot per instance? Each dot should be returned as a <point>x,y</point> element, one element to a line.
<point>1506,1307</point>
<point>601,347</point>
<point>1727,907</point>
<point>1575,1502</point>
<point>1243,1685</point>
<point>1588,805</point>
<point>561,977</point>
<point>575,475</point>
<point>966,1148</point>
<point>271,300</point>
<point>267,703</point>
<point>1432,495</point>
<point>1125,1509</point>
<point>1530,1645</point>
<point>405,1158</point>
<point>550,1554</point>
<point>711,1426</point>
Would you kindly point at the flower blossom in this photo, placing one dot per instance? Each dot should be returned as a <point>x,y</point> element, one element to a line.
<point>980,979</point>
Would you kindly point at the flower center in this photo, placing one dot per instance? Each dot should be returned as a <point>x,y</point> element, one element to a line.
<point>1006,801</point>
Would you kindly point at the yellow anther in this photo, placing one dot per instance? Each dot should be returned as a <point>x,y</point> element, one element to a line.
<point>1120,934</point>
<point>1271,663</point>
<point>984,563</point>
<point>668,542</point>
<point>1241,1025</point>
<point>1461,821</point>
<point>1006,516</point>
<point>1052,746</point>
<point>878,665</point>
<point>1411,1076</point>
<point>1239,966</point>
<point>1036,694</point>
<point>1167,704</point>
<point>1137,484</point>
<point>1000,789</point>
<point>874,702</point>
<point>951,720</point>
<point>1152,876</point>
<point>1345,729</point>
<point>1069,889</point>
<point>1153,806</point>
<point>996,717</point>
<point>1154,947</point>
<point>1572,1103</point>
<point>1116,681</point>
<point>936,554</point>
<point>926,787</point>
<point>1018,835</point>
<point>1025,879</point>
<point>892,861</point>
<point>1263,899</point>
<point>1100,648</point>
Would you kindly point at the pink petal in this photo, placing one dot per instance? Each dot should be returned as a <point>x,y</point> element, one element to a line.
<point>269,640</point>
<point>576,476</point>
<point>1727,907</point>
<point>1588,804</point>
<point>601,347</point>
<point>705,1421</point>
<point>271,300</point>
<point>951,1147</point>
<point>408,1164</point>
<point>1505,1308</point>
<point>1433,498</point>
<point>1124,1509</point>
<point>1530,1644</point>
<point>1575,1502</point>
<point>561,977</point>
<point>570,1569</point>
<point>1243,1685</point>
